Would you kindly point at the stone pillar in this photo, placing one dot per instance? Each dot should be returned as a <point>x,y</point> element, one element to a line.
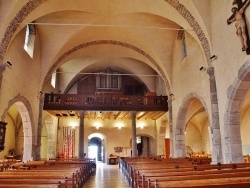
<point>81,135</point>
<point>2,134</point>
<point>171,129</point>
<point>2,68</point>
<point>134,144</point>
<point>180,146</point>
<point>233,144</point>
<point>39,132</point>
<point>215,126</point>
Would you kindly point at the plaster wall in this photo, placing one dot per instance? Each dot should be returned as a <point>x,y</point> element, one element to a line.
<point>193,138</point>
<point>24,75</point>
<point>187,78</point>
<point>113,136</point>
<point>9,138</point>
<point>245,130</point>
<point>229,57</point>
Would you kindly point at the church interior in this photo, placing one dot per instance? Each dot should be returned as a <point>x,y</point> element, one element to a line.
<point>112,80</point>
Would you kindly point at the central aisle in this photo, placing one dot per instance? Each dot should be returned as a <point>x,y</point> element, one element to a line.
<point>107,176</point>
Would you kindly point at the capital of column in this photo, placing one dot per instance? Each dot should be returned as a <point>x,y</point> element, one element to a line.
<point>81,112</point>
<point>2,67</point>
<point>133,114</point>
<point>210,71</point>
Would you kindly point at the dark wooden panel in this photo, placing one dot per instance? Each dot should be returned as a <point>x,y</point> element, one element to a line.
<point>105,102</point>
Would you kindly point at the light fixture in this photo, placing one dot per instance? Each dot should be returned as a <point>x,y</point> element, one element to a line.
<point>213,57</point>
<point>97,125</point>
<point>72,124</point>
<point>171,97</point>
<point>202,68</point>
<point>9,63</point>
<point>39,96</point>
<point>141,125</point>
<point>119,125</point>
<point>2,134</point>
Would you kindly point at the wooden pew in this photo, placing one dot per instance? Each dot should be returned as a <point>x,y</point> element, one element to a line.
<point>182,179</point>
<point>148,164</point>
<point>237,182</point>
<point>60,174</point>
<point>161,173</point>
<point>138,169</point>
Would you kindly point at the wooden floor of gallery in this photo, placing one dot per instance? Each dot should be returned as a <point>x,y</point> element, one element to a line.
<point>107,176</point>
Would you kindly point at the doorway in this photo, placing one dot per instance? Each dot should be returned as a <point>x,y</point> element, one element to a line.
<point>95,149</point>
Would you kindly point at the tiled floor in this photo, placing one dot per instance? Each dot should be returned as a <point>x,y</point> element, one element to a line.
<point>107,176</point>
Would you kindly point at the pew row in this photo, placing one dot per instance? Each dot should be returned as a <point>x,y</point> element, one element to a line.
<point>143,173</point>
<point>48,174</point>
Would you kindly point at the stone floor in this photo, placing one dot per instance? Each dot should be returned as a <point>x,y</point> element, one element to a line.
<point>107,176</point>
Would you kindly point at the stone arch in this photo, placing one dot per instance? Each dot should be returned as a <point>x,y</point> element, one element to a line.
<point>179,137</point>
<point>195,25</point>
<point>25,111</point>
<point>106,42</point>
<point>103,139</point>
<point>152,141</point>
<point>33,4</point>
<point>235,98</point>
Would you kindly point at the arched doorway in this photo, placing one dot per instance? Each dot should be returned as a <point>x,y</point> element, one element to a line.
<point>145,145</point>
<point>192,120</point>
<point>19,117</point>
<point>96,147</point>
<point>236,117</point>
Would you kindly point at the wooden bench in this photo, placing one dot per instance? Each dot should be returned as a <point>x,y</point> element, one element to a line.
<point>181,179</point>
<point>60,174</point>
<point>237,182</point>
<point>167,173</point>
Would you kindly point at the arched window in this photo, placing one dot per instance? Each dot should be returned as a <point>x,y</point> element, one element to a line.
<point>182,38</point>
<point>30,39</point>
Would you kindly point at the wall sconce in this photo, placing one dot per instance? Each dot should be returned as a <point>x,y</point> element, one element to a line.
<point>73,124</point>
<point>119,125</point>
<point>9,63</point>
<point>3,65</point>
<point>97,125</point>
<point>202,68</point>
<point>2,134</point>
<point>171,97</point>
<point>39,96</point>
<point>213,57</point>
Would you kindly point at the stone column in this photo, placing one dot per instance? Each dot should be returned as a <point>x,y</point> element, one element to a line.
<point>215,126</point>
<point>171,129</point>
<point>134,144</point>
<point>37,148</point>
<point>81,135</point>
<point>180,146</point>
<point>233,144</point>
<point>2,134</point>
<point>2,68</point>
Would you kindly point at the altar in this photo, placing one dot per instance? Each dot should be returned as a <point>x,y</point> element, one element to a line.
<point>113,160</point>
<point>12,156</point>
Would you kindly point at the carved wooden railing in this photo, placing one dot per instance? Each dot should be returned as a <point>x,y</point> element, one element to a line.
<point>105,102</point>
